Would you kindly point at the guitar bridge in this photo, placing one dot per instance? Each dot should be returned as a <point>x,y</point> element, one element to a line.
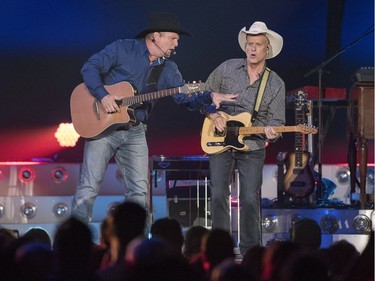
<point>215,143</point>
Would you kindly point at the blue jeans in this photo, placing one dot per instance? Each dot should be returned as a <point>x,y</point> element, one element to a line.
<point>250,168</point>
<point>130,151</point>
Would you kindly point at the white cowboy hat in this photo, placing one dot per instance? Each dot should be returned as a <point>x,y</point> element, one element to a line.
<point>258,27</point>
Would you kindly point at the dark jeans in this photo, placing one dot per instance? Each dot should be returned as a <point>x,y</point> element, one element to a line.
<point>250,168</point>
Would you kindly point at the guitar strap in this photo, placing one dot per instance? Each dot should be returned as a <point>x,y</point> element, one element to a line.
<point>260,93</point>
<point>154,77</point>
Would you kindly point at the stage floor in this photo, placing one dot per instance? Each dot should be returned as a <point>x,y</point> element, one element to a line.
<point>40,195</point>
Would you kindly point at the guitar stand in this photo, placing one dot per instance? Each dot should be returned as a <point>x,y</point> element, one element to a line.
<point>281,201</point>
<point>285,200</point>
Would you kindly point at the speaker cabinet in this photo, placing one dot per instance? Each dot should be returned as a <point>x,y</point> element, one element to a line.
<point>189,212</point>
<point>362,107</point>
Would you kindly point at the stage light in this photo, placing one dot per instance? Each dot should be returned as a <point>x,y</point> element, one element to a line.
<point>362,224</point>
<point>66,135</point>
<point>343,175</point>
<point>112,208</point>
<point>60,210</point>
<point>269,223</point>
<point>329,224</point>
<point>26,174</point>
<point>2,211</point>
<point>59,175</point>
<point>28,210</point>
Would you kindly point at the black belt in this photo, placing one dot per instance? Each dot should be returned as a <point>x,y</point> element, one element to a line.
<point>127,126</point>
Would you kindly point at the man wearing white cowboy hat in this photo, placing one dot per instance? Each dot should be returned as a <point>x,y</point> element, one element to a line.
<point>244,76</point>
<point>144,63</point>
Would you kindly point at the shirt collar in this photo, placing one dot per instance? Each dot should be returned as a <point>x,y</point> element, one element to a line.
<point>243,65</point>
<point>146,53</point>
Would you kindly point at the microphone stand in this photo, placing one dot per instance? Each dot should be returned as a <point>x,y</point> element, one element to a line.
<point>319,70</point>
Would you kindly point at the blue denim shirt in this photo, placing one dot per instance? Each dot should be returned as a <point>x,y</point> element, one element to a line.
<point>128,60</point>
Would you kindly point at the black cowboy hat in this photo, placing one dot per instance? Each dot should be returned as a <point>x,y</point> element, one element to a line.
<point>158,21</point>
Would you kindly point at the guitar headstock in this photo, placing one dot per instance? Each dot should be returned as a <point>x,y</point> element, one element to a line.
<point>193,88</point>
<point>307,129</point>
<point>300,100</point>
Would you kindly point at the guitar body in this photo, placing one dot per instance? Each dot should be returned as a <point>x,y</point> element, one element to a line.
<point>299,180</point>
<point>89,118</point>
<point>213,142</point>
<point>238,127</point>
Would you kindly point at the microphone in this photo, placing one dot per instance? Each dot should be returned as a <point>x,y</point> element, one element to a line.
<point>165,54</point>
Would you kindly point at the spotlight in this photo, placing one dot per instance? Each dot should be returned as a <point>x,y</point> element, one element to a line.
<point>329,224</point>
<point>111,208</point>
<point>26,174</point>
<point>343,175</point>
<point>66,135</point>
<point>59,175</point>
<point>2,211</point>
<point>60,210</point>
<point>28,210</point>
<point>362,224</point>
<point>269,223</point>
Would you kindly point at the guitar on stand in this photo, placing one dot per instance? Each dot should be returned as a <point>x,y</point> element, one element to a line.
<point>299,180</point>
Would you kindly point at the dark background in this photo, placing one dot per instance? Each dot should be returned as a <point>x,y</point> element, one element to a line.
<point>43,45</point>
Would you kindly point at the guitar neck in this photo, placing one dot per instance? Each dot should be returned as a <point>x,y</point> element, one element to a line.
<point>150,96</point>
<point>299,138</point>
<point>260,130</point>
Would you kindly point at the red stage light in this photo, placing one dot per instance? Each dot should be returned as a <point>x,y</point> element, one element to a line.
<point>26,174</point>
<point>66,135</point>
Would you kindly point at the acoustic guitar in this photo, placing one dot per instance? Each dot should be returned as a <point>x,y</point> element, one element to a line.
<point>89,118</point>
<point>237,127</point>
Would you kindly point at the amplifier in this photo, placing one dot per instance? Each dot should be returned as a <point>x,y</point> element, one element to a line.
<point>190,212</point>
<point>186,163</point>
<point>365,74</point>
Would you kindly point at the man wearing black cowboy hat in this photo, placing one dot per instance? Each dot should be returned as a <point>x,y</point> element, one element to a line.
<point>134,61</point>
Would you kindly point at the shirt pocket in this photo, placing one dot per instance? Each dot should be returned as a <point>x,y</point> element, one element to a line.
<point>230,86</point>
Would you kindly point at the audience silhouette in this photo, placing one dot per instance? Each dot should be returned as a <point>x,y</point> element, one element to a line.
<point>126,253</point>
<point>306,233</point>
<point>72,248</point>
<point>170,231</point>
<point>193,241</point>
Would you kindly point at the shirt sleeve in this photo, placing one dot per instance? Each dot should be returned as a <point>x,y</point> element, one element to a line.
<point>97,65</point>
<point>213,85</point>
<point>193,101</point>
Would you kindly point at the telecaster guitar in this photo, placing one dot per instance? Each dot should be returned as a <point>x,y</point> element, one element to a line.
<point>89,118</point>
<point>237,127</point>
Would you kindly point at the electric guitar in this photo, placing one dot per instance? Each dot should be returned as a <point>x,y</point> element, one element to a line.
<point>237,127</point>
<point>89,118</point>
<point>299,180</point>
